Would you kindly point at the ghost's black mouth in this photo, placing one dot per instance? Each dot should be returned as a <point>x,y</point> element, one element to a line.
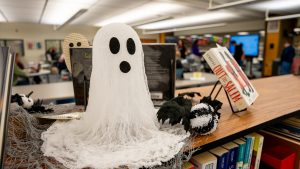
<point>125,67</point>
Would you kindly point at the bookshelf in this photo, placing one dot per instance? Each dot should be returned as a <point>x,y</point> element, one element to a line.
<point>276,102</point>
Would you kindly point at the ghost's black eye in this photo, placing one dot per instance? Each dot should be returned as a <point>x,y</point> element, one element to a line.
<point>114,45</point>
<point>71,44</point>
<point>78,43</point>
<point>130,46</point>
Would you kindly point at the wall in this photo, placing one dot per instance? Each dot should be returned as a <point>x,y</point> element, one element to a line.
<point>31,32</point>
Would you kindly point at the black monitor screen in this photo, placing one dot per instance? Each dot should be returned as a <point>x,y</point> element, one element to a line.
<point>160,70</point>
<point>159,64</point>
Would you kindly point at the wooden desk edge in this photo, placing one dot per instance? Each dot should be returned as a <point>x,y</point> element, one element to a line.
<point>239,134</point>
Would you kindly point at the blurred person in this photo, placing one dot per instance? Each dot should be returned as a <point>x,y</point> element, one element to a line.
<point>182,49</point>
<point>238,52</point>
<point>20,77</point>
<point>21,66</point>
<point>195,48</point>
<point>287,57</point>
<point>52,52</point>
<point>61,64</point>
<point>179,69</point>
<point>19,62</point>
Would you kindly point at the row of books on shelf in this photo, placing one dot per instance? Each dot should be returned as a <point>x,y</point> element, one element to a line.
<point>289,127</point>
<point>242,153</point>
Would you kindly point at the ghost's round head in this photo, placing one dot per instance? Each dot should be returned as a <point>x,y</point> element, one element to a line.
<point>73,40</point>
<point>118,46</point>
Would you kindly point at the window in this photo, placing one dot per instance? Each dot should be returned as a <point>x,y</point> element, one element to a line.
<point>17,45</point>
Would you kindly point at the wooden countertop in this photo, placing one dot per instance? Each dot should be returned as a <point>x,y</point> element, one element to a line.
<point>208,79</point>
<point>279,98</point>
<point>50,91</point>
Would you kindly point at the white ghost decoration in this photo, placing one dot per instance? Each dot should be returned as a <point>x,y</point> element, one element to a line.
<point>119,126</point>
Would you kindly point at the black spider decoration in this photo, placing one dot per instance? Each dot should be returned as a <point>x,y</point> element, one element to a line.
<point>201,119</point>
<point>204,116</point>
<point>27,103</point>
<point>177,110</point>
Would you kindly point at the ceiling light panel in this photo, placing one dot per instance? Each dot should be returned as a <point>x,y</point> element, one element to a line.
<point>59,11</point>
<point>2,19</point>
<point>243,33</point>
<point>276,5</point>
<point>105,9</point>
<point>211,17</point>
<point>147,11</point>
<point>22,11</point>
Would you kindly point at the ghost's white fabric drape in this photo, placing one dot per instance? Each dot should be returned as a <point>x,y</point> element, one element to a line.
<point>119,126</point>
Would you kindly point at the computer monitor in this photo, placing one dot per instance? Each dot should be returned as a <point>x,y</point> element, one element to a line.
<point>159,62</point>
<point>6,75</point>
<point>250,44</point>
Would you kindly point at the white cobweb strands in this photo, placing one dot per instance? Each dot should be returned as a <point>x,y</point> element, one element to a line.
<point>119,127</point>
<point>23,142</point>
<point>23,148</point>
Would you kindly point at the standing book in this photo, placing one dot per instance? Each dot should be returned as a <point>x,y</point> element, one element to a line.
<point>81,63</point>
<point>233,150</point>
<point>248,151</point>
<point>222,156</point>
<point>204,161</point>
<point>257,150</point>
<point>233,79</point>
<point>241,153</point>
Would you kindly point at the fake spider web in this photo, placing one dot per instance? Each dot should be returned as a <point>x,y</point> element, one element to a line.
<point>23,144</point>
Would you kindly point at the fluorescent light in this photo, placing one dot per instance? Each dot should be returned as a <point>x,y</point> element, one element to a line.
<point>184,21</point>
<point>181,37</point>
<point>194,36</point>
<point>43,11</point>
<point>3,18</point>
<point>162,18</point>
<point>227,36</point>
<point>276,18</point>
<point>243,33</point>
<point>58,12</point>
<point>146,11</point>
<point>207,35</point>
<point>297,30</point>
<point>262,33</point>
<point>78,14</point>
<point>229,4</point>
<point>183,28</point>
<point>276,5</point>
